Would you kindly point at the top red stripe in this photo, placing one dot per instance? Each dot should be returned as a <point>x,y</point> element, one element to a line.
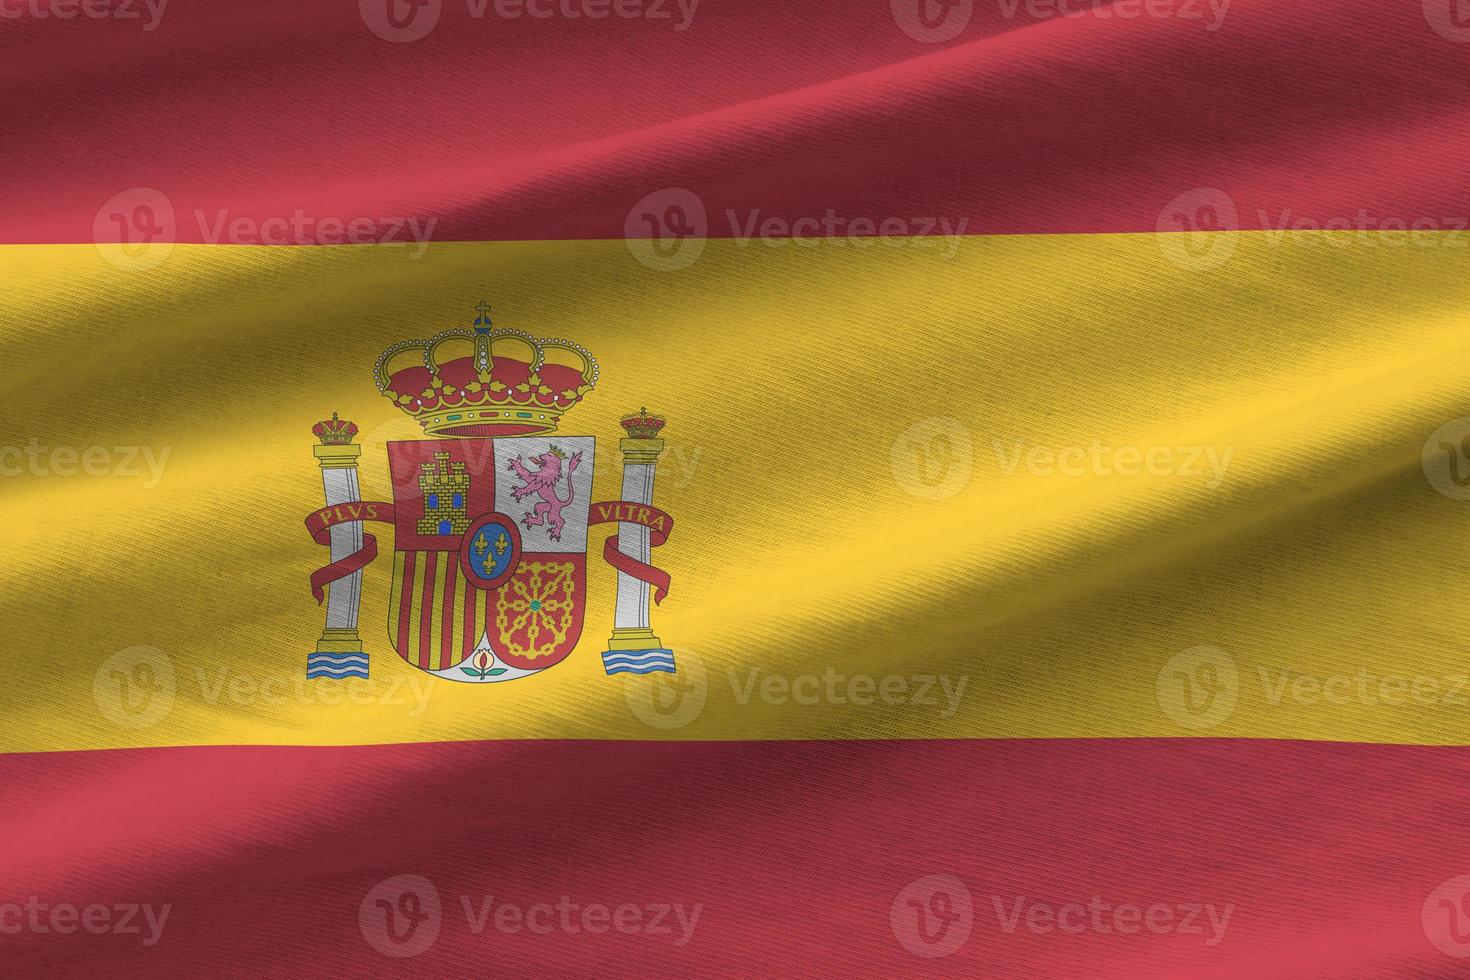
<point>245,116</point>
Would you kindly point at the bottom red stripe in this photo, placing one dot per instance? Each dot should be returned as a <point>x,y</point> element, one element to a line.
<point>1006,859</point>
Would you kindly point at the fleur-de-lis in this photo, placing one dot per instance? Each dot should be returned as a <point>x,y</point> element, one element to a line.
<point>481,544</point>
<point>501,544</point>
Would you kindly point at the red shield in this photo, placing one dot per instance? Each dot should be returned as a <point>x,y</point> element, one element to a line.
<point>490,550</point>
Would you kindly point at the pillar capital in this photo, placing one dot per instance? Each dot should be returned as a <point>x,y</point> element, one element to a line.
<point>641,452</point>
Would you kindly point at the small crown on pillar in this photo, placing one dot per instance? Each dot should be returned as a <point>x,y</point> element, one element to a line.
<point>642,425</point>
<point>334,431</point>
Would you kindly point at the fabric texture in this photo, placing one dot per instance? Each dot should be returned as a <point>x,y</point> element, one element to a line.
<point>1065,473</point>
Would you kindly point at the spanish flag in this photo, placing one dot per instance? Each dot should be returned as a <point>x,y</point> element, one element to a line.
<point>734,488</point>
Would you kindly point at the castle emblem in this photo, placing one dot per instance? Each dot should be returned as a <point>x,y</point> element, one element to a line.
<point>479,595</point>
<point>444,485</point>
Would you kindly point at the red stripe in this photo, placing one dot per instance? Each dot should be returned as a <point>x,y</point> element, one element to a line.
<point>1326,853</point>
<point>446,646</point>
<point>426,608</point>
<point>470,639</point>
<point>1301,111</point>
<point>405,604</point>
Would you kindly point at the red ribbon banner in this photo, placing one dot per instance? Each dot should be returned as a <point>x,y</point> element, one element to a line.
<point>659,525</point>
<point>319,525</point>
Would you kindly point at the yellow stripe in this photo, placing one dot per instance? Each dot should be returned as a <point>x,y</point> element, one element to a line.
<point>395,600</point>
<point>456,654</point>
<point>436,610</point>
<point>416,612</point>
<point>869,458</point>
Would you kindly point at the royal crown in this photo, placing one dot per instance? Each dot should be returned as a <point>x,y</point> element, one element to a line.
<point>334,431</point>
<point>642,425</point>
<point>483,390</point>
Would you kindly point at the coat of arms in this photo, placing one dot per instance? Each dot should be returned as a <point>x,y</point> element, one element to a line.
<point>491,515</point>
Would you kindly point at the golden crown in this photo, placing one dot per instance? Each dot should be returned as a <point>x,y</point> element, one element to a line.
<point>483,390</point>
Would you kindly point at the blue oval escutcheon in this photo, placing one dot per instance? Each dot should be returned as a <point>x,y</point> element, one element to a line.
<point>491,551</point>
